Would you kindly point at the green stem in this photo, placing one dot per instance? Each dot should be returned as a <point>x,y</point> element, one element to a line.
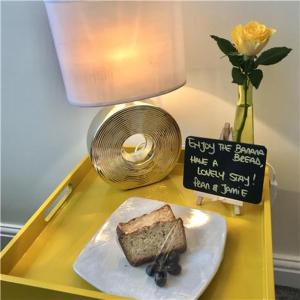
<point>240,130</point>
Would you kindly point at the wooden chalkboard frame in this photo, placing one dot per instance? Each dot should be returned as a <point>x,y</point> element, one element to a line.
<point>225,168</point>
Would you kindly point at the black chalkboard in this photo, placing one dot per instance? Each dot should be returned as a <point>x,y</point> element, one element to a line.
<point>223,168</point>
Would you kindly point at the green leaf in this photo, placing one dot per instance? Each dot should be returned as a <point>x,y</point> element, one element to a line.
<point>237,76</point>
<point>249,65</point>
<point>225,46</point>
<point>236,60</point>
<point>272,56</point>
<point>255,77</point>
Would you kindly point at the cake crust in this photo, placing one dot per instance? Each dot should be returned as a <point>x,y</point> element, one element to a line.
<point>164,213</point>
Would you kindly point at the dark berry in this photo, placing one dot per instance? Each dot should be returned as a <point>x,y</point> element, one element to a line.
<point>160,259</point>
<point>173,257</point>
<point>173,269</point>
<point>160,278</point>
<point>151,269</point>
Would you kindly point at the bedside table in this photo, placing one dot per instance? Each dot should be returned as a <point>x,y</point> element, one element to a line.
<point>37,263</point>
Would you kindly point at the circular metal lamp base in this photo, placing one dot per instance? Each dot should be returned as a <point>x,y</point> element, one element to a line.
<point>149,162</point>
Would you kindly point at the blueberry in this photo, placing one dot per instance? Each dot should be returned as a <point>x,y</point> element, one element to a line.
<point>160,278</point>
<point>151,269</point>
<point>173,257</point>
<point>173,269</point>
<point>160,259</point>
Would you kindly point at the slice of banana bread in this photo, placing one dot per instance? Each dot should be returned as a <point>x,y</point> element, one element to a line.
<point>145,237</point>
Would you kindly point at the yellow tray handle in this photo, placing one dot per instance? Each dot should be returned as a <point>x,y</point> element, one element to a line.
<point>56,202</point>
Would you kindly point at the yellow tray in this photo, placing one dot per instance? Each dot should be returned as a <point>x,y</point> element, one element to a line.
<point>37,263</point>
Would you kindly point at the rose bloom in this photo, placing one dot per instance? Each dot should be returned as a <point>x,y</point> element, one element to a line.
<point>251,38</point>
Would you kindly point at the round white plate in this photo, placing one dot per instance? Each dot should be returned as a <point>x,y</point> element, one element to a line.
<point>103,264</point>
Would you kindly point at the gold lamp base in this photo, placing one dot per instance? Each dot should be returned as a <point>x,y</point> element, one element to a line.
<point>150,161</point>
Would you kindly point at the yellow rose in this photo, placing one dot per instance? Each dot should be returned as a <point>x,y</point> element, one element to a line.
<point>251,38</point>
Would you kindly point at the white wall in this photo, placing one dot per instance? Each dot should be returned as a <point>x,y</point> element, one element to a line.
<point>43,137</point>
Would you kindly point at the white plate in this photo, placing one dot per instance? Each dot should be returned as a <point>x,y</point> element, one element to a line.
<point>103,264</point>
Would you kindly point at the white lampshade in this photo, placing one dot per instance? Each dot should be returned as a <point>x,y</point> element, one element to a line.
<point>117,51</point>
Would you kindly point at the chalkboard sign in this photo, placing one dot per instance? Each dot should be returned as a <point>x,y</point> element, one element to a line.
<point>223,168</point>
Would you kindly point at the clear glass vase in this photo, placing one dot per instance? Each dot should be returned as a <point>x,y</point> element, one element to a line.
<point>243,129</point>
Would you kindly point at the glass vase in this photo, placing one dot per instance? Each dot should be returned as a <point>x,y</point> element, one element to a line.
<point>243,129</point>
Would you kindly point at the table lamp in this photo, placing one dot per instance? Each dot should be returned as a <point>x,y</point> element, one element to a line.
<point>118,52</point>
